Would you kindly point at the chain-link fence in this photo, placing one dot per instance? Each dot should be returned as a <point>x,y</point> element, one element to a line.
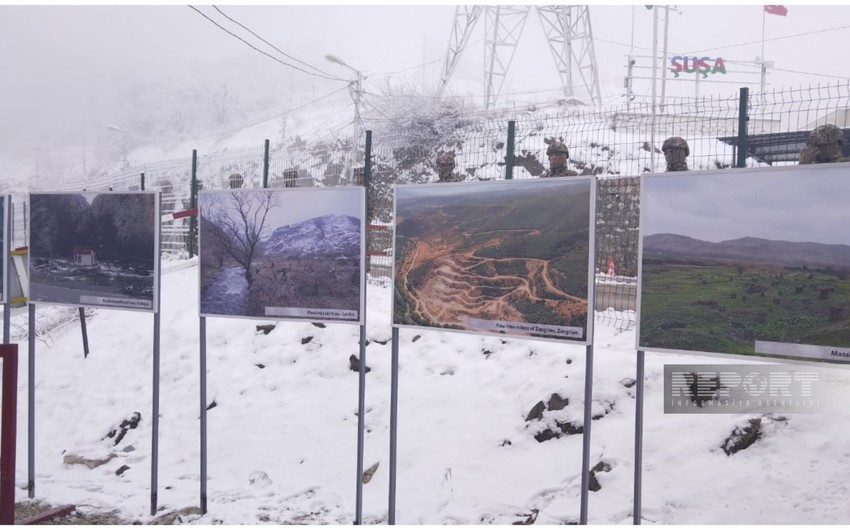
<point>616,144</point>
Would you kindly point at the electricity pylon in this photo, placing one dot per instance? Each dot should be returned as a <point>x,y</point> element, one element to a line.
<point>568,33</point>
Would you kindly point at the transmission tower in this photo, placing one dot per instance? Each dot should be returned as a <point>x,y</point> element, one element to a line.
<point>568,32</point>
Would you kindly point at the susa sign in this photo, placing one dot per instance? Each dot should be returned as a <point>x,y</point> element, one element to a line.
<point>690,65</point>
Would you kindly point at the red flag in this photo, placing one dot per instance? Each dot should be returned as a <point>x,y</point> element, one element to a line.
<point>776,10</point>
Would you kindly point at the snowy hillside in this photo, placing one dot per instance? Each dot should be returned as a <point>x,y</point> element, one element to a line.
<point>282,427</point>
<point>327,235</point>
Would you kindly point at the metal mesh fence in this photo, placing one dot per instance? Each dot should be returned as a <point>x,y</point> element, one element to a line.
<point>616,144</point>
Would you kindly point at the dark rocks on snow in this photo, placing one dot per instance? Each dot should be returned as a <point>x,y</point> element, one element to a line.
<point>319,325</point>
<point>628,382</point>
<point>126,424</point>
<point>415,338</point>
<point>743,437</point>
<point>260,365</point>
<point>369,473</point>
<point>266,328</point>
<point>601,467</point>
<point>306,340</point>
<point>354,364</point>
<point>556,402</point>
<point>536,412</point>
<point>120,471</point>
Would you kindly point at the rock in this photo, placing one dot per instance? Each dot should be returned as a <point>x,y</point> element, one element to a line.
<point>120,471</point>
<point>536,412</point>
<point>319,325</point>
<point>546,434</point>
<point>628,382</point>
<point>91,463</point>
<point>129,449</point>
<point>266,328</point>
<point>176,516</point>
<point>369,473</point>
<point>260,365</point>
<point>306,340</point>
<point>259,479</point>
<point>382,342</point>
<point>505,443</point>
<point>556,402</point>
<point>126,424</point>
<point>593,482</point>
<point>354,364</point>
<point>741,438</point>
<point>569,427</point>
<point>415,338</point>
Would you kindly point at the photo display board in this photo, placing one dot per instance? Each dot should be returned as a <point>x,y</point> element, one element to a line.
<point>95,249</point>
<point>505,257</point>
<point>747,262</point>
<point>283,254</point>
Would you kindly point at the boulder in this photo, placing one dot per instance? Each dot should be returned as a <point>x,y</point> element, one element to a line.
<point>354,364</point>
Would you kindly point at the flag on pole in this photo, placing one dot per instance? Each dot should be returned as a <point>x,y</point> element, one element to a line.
<point>776,10</point>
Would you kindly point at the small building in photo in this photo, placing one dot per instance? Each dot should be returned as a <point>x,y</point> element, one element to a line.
<point>84,256</point>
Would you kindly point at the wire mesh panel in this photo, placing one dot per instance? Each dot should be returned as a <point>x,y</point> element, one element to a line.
<point>615,143</point>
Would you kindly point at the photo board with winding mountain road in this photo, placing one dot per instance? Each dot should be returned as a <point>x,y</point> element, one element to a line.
<point>502,257</point>
<point>282,254</point>
<point>747,262</point>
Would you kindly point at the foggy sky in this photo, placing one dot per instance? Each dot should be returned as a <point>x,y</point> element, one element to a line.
<point>67,69</point>
<point>803,204</point>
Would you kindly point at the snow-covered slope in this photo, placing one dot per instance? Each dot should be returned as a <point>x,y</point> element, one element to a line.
<point>282,426</point>
<point>330,235</point>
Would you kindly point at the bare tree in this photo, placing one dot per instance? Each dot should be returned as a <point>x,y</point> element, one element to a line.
<point>241,223</point>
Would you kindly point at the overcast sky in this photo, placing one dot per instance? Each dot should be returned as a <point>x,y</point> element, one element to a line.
<point>62,63</point>
<point>784,205</point>
<point>301,204</point>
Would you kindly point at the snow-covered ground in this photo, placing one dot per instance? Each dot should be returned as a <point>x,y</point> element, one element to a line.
<point>283,431</point>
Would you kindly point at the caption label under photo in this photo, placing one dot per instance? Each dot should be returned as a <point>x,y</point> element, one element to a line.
<point>547,330</point>
<point>302,312</point>
<point>115,302</point>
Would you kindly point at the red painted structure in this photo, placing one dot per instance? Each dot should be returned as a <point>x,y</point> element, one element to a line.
<point>8,427</point>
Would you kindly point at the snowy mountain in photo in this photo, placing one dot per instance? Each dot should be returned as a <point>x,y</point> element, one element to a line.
<point>329,235</point>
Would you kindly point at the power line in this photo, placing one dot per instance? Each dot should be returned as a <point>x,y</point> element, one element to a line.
<point>270,44</point>
<point>261,51</point>
<point>773,39</point>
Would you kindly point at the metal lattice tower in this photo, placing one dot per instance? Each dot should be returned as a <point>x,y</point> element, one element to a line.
<point>568,32</point>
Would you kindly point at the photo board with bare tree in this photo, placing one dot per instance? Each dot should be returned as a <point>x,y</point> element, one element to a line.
<point>502,257</point>
<point>747,262</point>
<point>283,254</point>
<point>95,249</point>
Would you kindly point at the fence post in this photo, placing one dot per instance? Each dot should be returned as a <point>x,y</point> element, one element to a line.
<point>509,158</point>
<point>743,111</point>
<point>142,181</point>
<point>8,432</point>
<point>193,202</point>
<point>266,165</point>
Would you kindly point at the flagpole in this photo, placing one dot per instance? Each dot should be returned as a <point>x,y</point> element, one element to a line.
<point>763,72</point>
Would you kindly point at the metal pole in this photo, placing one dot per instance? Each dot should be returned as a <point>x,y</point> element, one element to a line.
<point>7,269</point>
<point>155,415</point>
<point>654,75</point>
<point>639,376</point>
<point>203,393</point>
<point>743,111</point>
<point>393,425</point>
<point>361,393</point>
<point>84,332</point>
<point>664,55</point>
<point>31,404</point>
<point>509,157</point>
<point>8,434</point>
<point>142,181</point>
<point>193,202</point>
<point>266,165</point>
<point>585,449</point>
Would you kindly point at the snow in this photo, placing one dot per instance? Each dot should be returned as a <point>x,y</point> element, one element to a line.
<point>282,437</point>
